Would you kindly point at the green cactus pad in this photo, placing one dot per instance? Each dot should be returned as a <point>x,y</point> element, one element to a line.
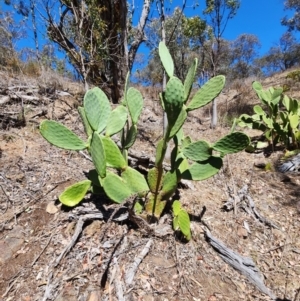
<point>113,155</point>
<point>257,86</point>
<point>98,154</point>
<point>134,180</point>
<point>74,194</point>
<point>232,143</point>
<point>207,93</point>
<point>190,78</point>
<point>116,188</point>
<point>159,205</point>
<point>178,123</point>
<point>294,121</point>
<point>94,177</point>
<point>183,220</point>
<point>87,127</point>
<point>290,104</point>
<point>183,166</point>
<point>166,59</point>
<point>97,109</point>
<point>131,136</point>
<point>169,184</point>
<point>60,136</point>
<point>152,178</point>
<point>159,153</point>
<point>135,104</point>
<point>258,110</point>
<point>116,121</point>
<point>176,206</point>
<point>173,98</point>
<point>198,151</point>
<point>179,137</point>
<point>186,141</point>
<point>203,170</point>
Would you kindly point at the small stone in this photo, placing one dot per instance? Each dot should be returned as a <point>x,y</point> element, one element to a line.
<point>51,208</point>
<point>5,252</point>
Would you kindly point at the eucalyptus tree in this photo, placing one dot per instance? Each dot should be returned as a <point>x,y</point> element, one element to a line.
<point>243,52</point>
<point>182,36</point>
<point>284,55</point>
<point>293,23</point>
<point>98,37</point>
<point>218,13</point>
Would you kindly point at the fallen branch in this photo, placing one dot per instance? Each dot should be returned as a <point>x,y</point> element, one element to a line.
<point>132,270</point>
<point>76,234</point>
<point>244,265</point>
<point>248,206</point>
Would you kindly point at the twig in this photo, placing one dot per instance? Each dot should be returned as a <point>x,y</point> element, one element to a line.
<point>118,282</point>
<point>76,234</point>
<point>48,288</point>
<point>132,270</point>
<point>11,284</point>
<point>47,244</point>
<point>7,199</point>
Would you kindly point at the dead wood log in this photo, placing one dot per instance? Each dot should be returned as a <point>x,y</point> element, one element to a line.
<point>244,265</point>
<point>245,201</point>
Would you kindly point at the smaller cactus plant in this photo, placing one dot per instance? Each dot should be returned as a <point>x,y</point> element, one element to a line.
<point>278,117</point>
<point>113,176</point>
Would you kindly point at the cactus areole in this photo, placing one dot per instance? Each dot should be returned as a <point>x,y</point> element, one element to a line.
<point>193,160</point>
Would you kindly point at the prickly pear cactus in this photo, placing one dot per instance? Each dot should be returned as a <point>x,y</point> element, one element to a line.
<point>278,123</point>
<point>100,124</point>
<point>197,160</point>
<point>112,176</point>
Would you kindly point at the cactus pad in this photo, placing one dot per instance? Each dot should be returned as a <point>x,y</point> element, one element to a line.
<point>178,123</point>
<point>97,109</point>
<point>198,151</point>
<point>134,180</point>
<point>98,154</point>
<point>131,136</point>
<point>166,59</point>
<point>60,136</point>
<point>113,155</point>
<point>152,178</point>
<point>134,104</point>
<point>190,78</point>
<point>74,194</point>
<point>232,143</point>
<point>116,188</point>
<point>207,93</point>
<point>200,171</point>
<point>116,121</point>
<point>86,125</point>
<point>173,98</point>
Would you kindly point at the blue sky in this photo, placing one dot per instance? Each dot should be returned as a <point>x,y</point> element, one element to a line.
<point>259,17</point>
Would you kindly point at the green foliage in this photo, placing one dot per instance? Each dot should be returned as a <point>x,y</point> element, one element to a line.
<point>294,75</point>
<point>197,160</point>
<point>278,117</point>
<point>181,220</point>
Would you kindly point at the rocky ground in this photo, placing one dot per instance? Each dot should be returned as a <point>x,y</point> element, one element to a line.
<point>35,229</point>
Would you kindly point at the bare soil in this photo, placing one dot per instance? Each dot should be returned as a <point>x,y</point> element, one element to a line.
<point>35,228</point>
